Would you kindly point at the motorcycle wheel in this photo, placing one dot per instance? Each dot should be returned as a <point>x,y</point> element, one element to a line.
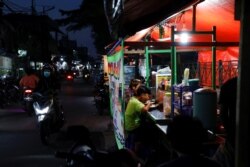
<point>45,132</point>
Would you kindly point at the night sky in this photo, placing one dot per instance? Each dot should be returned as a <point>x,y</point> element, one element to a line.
<point>83,37</point>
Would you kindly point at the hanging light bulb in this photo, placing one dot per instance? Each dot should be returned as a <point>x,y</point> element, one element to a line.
<point>184,36</point>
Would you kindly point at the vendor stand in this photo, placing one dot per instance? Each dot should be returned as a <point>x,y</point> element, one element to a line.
<point>172,47</point>
<point>117,84</point>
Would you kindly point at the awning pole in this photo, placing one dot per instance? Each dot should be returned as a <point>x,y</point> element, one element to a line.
<point>147,66</point>
<point>194,18</point>
<point>214,59</point>
<point>173,70</point>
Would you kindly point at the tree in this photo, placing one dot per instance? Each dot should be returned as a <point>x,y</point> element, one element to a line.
<point>90,14</point>
<point>6,34</point>
<point>29,32</point>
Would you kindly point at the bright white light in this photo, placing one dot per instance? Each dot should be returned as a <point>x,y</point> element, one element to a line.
<point>184,37</point>
<point>42,111</point>
<point>41,118</point>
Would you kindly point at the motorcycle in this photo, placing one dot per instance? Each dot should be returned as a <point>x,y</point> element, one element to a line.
<point>28,100</point>
<point>70,77</point>
<point>9,92</point>
<point>86,77</point>
<point>49,115</point>
<point>84,153</point>
<point>101,99</point>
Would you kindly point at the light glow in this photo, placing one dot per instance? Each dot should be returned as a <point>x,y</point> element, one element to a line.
<point>41,118</point>
<point>28,91</point>
<point>42,111</point>
<point>184,37</point>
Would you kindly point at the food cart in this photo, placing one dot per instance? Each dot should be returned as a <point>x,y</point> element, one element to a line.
<point>181,94</point>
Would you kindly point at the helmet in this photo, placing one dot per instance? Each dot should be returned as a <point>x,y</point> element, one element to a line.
<point>47,70</point>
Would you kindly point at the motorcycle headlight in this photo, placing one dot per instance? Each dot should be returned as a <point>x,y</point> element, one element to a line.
<point>42,111</point>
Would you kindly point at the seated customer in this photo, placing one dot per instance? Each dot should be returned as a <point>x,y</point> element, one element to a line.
<point>135,129</point>
<point>186,136</point>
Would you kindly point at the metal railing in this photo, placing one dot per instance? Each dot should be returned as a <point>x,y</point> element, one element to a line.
<point>224,71</point>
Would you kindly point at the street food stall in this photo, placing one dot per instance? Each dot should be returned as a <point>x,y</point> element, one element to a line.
<point>166,38</point>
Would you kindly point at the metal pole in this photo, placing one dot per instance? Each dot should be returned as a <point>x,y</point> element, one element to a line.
<point>242,146</point>
<point>214,59</point>
<point>173,71</point>
<point>33,11</point>
<point>147,66</point>
<point>194,18</point>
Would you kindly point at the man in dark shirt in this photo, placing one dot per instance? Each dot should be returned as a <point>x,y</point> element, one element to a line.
<point>227,102</point>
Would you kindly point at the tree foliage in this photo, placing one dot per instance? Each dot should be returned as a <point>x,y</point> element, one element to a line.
<point>90,14</point>
<point>31,33</point>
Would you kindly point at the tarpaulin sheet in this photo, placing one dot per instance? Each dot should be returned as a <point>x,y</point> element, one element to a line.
<point>226,69</point>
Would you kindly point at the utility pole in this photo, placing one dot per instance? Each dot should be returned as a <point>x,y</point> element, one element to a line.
<point>1,7</point>
<point>33,10</point>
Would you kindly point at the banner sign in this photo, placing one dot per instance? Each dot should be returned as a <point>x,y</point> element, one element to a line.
<point>115,70</point>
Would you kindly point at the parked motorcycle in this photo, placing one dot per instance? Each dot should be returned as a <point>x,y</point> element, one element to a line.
<point>101,98</point>
<point>9,91</point>
<point>83,153</point>
<point>49,115</point>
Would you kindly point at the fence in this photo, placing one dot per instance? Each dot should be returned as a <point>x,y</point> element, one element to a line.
<point>224,71</point>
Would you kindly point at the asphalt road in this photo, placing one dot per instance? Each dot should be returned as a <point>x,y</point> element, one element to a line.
<point>20,143</point>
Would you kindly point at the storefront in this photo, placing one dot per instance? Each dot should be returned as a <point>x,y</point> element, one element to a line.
<point>5,65</point>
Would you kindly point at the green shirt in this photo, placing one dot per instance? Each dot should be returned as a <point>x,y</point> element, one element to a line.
<point>132,114</point>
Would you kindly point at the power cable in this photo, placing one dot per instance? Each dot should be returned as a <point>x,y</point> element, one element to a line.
<point>15,8</point>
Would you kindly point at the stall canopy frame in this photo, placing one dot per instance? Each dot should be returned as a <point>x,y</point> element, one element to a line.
<point>173,50</point>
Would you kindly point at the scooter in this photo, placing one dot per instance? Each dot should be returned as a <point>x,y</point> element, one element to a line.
<point>28,101</point>
<point>9,92</point>
<point>70,77</point>
<point>49,113</point>
<point>101,98</point>
<point>86,77</point>
<point>83,152</point>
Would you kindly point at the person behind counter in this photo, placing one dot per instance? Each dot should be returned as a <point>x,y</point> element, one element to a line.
<point>186,135</point>
<point>134,127</point>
